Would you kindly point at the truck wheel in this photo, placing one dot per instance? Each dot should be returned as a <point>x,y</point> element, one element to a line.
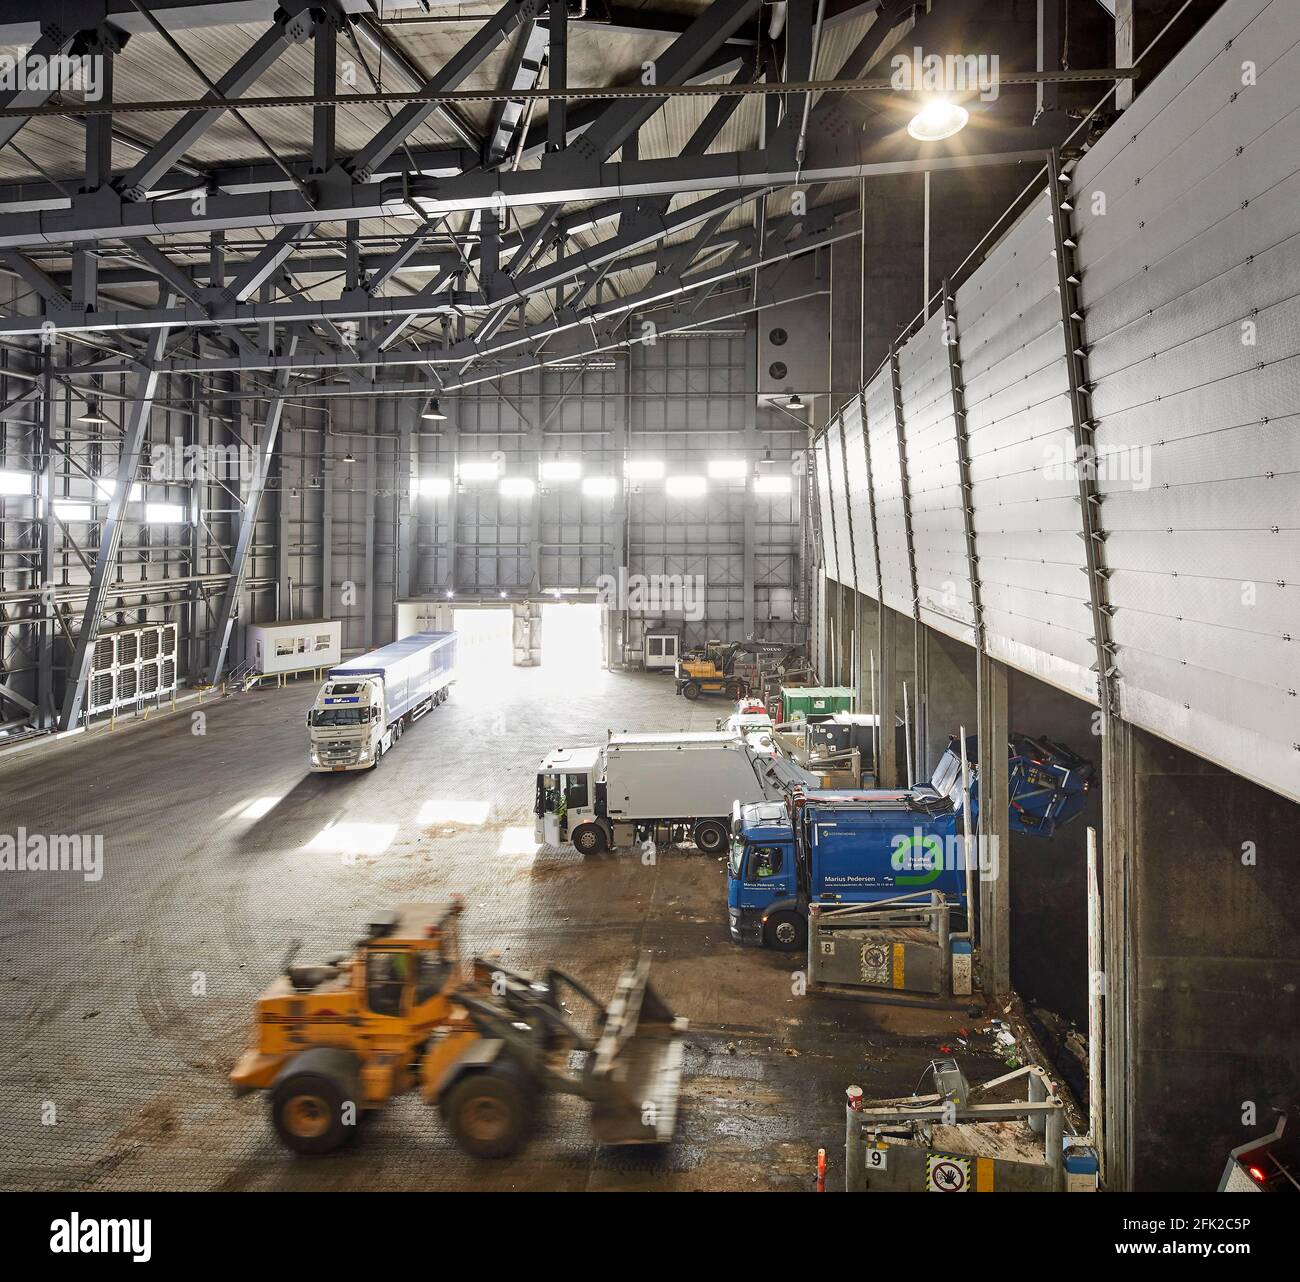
<point>489,1112</point>
<point>691,690</point>
<point>786,932</point>
<point>710,836</point>
<point>308,1099</point>
<point>589,839</point>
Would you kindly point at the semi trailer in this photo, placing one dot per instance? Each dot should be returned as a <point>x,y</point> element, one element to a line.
<point>666,788</point>
<point>366,703</point>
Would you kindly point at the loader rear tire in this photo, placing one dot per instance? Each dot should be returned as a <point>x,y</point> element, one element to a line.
<point>309,1098</point>
<point>691,690</point>
<point>490,1112</point>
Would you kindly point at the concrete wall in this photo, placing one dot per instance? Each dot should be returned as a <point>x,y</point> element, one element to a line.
<point>1216,943</point>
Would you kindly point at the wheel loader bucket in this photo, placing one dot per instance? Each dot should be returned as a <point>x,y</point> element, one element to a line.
<point>636,1069</point>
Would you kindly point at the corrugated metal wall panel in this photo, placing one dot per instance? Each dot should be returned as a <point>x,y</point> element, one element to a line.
<point>825,511</point>
<point>1035,595</point>
<point>864,552</point>
<point>891,529</point>
<point>934,484</point>
<point>1189,245</point>
<point>834,450</point>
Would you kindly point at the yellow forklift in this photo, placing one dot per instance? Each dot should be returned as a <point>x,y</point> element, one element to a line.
<point>333,1042</point>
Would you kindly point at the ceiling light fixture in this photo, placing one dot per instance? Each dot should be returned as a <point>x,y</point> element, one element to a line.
<point>937,119</point>
<point>92,414</point>
<point>432,412</point>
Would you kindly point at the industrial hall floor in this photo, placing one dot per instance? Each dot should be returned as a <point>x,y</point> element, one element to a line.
<point>126,1001</point>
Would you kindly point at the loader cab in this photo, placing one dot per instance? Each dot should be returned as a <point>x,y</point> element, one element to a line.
<point>567,793</point>
<point>762,873</point>
<point>409,961</point>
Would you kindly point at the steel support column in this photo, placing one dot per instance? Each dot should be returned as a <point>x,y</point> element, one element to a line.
<point>225,620</point>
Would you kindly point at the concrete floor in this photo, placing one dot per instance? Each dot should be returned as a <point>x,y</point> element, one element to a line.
<point>114,1065</point>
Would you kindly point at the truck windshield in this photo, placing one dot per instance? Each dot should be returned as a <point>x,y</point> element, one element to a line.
<point>340,716</point>
<point>736,860</point>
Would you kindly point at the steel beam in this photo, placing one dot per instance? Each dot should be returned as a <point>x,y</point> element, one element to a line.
<point>464,62</point>
<point>135,428</point>
<point>172,146</point>
<point>225,620</point>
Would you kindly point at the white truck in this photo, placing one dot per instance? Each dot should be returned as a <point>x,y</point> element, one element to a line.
<point>666,787</point>
<point>367,702</point>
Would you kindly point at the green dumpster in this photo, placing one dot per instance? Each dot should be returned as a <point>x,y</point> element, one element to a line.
<point>808,703</point>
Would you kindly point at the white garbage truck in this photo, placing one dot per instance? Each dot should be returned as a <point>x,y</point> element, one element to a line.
<point>665,787</point>
<point>367,702</point>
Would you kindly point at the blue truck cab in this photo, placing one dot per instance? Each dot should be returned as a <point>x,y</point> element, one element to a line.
<point>836,847</point>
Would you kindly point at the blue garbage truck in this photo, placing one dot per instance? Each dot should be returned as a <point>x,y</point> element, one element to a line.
<point>836,847</point>
<point>864,845</point>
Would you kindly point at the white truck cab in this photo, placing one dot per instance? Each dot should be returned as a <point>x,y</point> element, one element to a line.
<point>349,730</point>
<point>566,792</point>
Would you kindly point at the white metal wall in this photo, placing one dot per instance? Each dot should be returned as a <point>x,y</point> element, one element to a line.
<point>1187,221</point>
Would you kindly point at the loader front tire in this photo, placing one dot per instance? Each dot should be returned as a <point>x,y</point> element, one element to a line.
<point>315,1108</point>
<point>489,1112</point>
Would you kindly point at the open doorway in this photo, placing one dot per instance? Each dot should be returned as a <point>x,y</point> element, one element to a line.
<point>483,645</point>
<point>571,637</point>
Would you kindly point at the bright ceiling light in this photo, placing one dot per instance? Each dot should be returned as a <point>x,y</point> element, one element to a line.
<point>433,487</point>
<point>479,469</point>
<point>104,490</point>
<point>72,511</point>
<point>164,513</point>
<point>432,412</point>
<point>561,469</point>
<point>517,487</point>
<point>937,119</point>
<point>600,487</point>
<point>682,486</point>
<point>92,414</point>
<point>772,485</point>
<point>727,469</point>
<point>16,483</point>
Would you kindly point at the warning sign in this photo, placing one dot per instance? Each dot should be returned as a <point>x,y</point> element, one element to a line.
<point>947,1174</point>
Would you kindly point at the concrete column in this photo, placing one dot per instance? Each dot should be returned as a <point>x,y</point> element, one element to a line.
<point>951,679</point>
<point>887,701</point>
<point>1214,1005</point>
<point>994,830</point>
<point>1118,789</point>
